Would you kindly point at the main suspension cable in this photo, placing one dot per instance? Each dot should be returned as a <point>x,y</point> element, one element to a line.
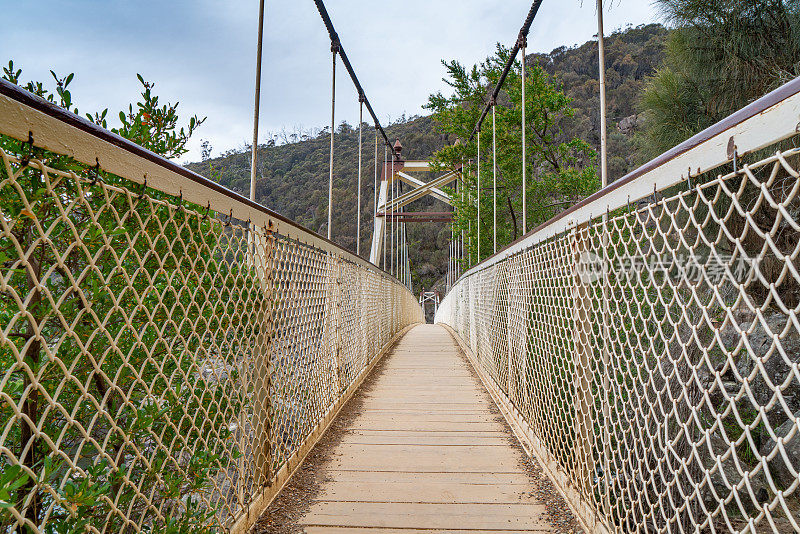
<point>335,41</point>
<point>523,33</point>
<point>520,44</point>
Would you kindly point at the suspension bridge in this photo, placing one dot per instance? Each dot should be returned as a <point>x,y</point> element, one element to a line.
<point>179,358</point>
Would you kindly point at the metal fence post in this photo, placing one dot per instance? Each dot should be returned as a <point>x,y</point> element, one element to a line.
<point>263,410</point>
<point>513,319</point>
<point>337,300</point>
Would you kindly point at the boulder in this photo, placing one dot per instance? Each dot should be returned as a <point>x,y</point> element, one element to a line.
<point>777,365</point>
<point>629,124</point>
<point>726,476</point>
<point>778,467</point>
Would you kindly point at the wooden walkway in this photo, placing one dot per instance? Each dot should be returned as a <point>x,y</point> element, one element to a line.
<point>425,453</point>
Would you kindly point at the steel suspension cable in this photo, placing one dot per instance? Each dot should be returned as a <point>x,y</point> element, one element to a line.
<point>479,197</point>
<point>406,252</point>
<point>454,235</point>
<point>400,233</point>
<point>257,105</point>
<point>334,50</point>
<point>408,257</point>
<point>392,259</point>
<point>400,227</point>
<point>391,218</point>
<point>463,187</point>
<point>395,222</point>
<point>375,184</point>
<point>523,32</point>
<point>450,267</point>
<point>469,220</point>
<point>406,266</point>
<point>521,40</point>
<point>335,41</point>
<point>254,166</point>
<point>603,120</point>
<point>523,45</point>
<point>606,289</point>
<point>360,132</point>
<point>460,191</point>
<point>385,203</point>
<point>494,177</point>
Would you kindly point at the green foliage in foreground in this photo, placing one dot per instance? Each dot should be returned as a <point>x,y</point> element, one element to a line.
<point>111,316</point>
<point>721,55</point>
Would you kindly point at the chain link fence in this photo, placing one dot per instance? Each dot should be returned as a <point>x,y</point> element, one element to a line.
<point>163,366</point>
<point>651,356</point>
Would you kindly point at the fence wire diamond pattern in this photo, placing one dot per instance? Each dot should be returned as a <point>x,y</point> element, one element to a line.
<point>161,363</point>
<point>654,354</point>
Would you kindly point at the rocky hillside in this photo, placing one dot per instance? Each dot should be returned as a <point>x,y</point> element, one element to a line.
<point>632,55</point>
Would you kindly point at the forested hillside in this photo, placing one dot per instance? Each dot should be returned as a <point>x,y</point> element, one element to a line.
<point>632,56</point>
<point>293,176</point>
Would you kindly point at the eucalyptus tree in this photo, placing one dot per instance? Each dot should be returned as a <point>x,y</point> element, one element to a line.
<point>560,170</point>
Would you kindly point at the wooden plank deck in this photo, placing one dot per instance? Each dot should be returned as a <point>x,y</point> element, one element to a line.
<point>424,454</point>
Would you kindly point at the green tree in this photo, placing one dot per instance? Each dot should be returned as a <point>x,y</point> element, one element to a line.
<point>721,55</point>
<point>560,170</point>
<point>104,336</point>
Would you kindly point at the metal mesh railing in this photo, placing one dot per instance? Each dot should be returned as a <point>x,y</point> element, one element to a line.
<point>161,364</point>
<point>652,356</point>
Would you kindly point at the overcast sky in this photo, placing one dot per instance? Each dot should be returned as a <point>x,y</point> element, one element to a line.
<point>202,52</point>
